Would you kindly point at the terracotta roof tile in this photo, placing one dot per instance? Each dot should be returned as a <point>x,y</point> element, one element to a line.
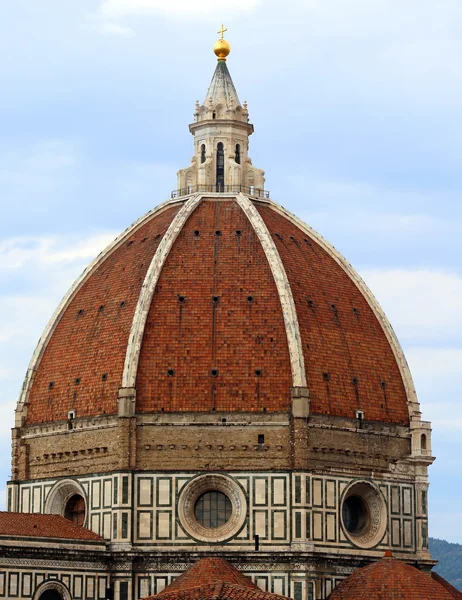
<point>208,570</point>
<point>218,591</point>
<point>390,579</point>
<point>43,526</point>
<point>450,588</point>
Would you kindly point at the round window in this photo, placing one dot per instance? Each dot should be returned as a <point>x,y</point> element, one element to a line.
<point>364,517</point>
<point>355,515</point>
<point>213,509</point>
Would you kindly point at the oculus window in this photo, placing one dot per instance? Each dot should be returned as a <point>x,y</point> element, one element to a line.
<point>213,509</point>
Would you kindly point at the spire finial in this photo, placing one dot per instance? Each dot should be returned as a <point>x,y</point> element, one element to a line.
<point>222,47</point>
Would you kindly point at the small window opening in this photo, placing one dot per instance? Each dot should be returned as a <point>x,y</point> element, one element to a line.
<point>216,299</point>
<point>197,233</point>
<point>220,167</point>
<point>181,299</point>
<point>383,384</point>
<point>77,381</point>
<point>81,311</point>
<point>214,115</point>
<point>203,153</point>
<point>261,438</point>
<point>326,376</point>
<point>310,303</point>
<point>171,372</point>
<point>214,372</point>
<point>423,442</point>
<point>249,299</point>
<point>237,156</point>
<point>122,304</point>
<point>257,542</point>
<point>218,232</point>
<point>223,420</point>
<point>101,308</point>
<point>238,232</point>
<point>75,510</point>
<point>258,372</point>
<point>104,377</point>
<point>51,385</point>
<point>354,381</point>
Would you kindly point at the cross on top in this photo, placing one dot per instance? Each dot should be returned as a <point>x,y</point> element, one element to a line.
<point>222,30</point>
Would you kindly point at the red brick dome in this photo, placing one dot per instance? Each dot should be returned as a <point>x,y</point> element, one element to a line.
<point>391,579</point>
<point>218,303</point>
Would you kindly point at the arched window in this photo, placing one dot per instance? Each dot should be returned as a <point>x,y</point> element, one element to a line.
<point>75,510</point>
<point>423,442</point>
<point>214,115</point>
<point>203,153</point>
<point>220,167</point>
<point>237,156</point>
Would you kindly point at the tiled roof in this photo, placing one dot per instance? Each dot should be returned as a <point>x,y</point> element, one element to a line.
<point>217,253</point>
<point>391,579</point>
<point>450,588</point>
<point>43,526</point>
<point>208,570</point>
<point>214,578</point>
<point>219,591</point>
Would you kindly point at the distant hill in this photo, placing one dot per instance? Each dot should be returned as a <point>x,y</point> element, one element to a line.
<point>450,561</point>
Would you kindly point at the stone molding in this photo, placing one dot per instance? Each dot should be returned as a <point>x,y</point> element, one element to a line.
<point>413,403</point>
<point>212,482</point>
<point>289,312</point>
<point>147,291</point>
<point>52,584</point>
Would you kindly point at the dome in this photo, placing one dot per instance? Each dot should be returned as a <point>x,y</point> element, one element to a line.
<point>391,578</point>
<point>218,302</point>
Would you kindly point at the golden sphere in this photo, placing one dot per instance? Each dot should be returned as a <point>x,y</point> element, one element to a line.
<point>222,49</point>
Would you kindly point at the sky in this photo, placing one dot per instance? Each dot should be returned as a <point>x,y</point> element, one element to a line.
<point>358,125</point>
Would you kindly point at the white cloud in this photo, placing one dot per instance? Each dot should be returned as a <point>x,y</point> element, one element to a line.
<point>16,253</point>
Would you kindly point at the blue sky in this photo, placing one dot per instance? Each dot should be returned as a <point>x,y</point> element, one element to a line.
<point>358,117</point>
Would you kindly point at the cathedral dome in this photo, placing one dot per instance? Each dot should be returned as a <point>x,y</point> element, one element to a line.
<point>218,302</point>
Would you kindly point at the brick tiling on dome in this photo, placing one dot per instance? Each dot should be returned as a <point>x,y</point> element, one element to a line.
<point>232,334</point>
<point>391,579</point>
<point>343,340</point>
<point>34,525</point>
<point>213,578</point>
<point>92,343</point>
<point>215,336</point>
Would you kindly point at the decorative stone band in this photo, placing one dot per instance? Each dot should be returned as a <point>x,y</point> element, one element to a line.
<point>187,502</point>
<point>413,404</point>
<point>289,311</point>
<point>53,322</point>
<point>147,291</point>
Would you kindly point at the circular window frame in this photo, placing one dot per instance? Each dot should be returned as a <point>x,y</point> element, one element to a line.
<point>373,533</point>
<point>188,497</point>
<point>60,494</point>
